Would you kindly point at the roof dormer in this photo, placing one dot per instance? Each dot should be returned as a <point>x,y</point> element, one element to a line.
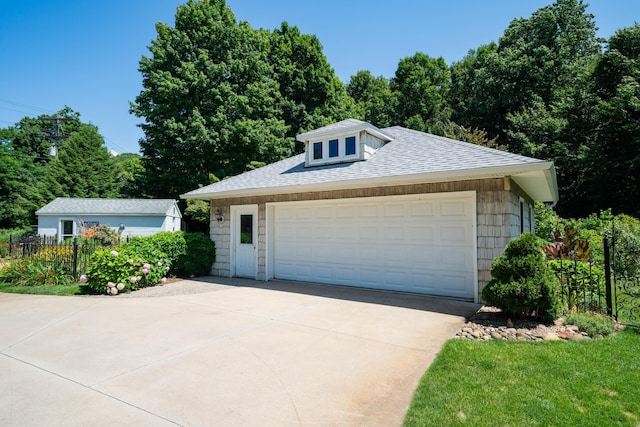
<point>346,141</point>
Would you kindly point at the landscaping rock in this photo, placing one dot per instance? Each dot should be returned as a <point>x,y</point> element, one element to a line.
<point>489,323</point>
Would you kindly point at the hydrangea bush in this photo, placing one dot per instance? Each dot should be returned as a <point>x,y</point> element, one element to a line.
<point>119,269</point>
<point>146,261</point>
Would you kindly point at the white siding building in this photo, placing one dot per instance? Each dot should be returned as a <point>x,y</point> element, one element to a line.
<point>68,217</point>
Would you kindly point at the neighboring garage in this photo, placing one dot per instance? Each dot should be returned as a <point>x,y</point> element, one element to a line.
<point>419,243</point>
<point>391,208</point>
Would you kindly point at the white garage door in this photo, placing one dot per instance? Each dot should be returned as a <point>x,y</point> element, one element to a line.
<point>422,243</point>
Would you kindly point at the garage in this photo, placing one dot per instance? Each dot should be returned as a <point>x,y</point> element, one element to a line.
<point>420,243</point>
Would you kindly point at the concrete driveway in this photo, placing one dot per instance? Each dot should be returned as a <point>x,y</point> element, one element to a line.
<point>239,353</point>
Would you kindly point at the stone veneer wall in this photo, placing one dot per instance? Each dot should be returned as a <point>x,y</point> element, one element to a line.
<point>497,213</point>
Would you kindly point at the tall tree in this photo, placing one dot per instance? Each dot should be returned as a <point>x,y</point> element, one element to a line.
<point>311,93</point>
<point>19,198</point>
<point>538,62</point>
<point>209,100</point>
<point>529,90</point>
<point>47,157</point>
<point>130,174</point>
<point>614,157</point>
<point>82,166</point>
<point>374,98</point>
<point>421,84</point>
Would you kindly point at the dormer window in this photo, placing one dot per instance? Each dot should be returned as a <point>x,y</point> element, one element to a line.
<point>317,150</point>
<point>347,141</point>
<point>333,150</point>
<point>350,146</point>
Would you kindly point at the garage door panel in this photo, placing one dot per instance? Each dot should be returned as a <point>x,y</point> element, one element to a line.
<point>420,209</point>
<point>454,235</point>
<point>392,233</point>
<point>393,210</point>
<point>423,245</point>
<point>368,211</point>
<point>457,208</point>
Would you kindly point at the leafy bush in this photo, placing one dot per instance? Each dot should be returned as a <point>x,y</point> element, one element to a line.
<point>199,256</point>
<point>122,269</point>
<point>168,245</point>
<point>591,323</point>
<point>522,284</point>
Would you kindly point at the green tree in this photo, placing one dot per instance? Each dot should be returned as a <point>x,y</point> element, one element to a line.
<point>614,156</point>
<point>82,166</point>
<point>374,98</point>
<point>421,84</point>
<point>19,197</point>
<point>130,174</point>
<point>210,101</point>
<point>47,157</point>
<point>311,93</point>
<point>530,90</point>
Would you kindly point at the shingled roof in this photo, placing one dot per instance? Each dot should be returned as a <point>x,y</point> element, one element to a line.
<point>80,206</point>
<point>411,157</point>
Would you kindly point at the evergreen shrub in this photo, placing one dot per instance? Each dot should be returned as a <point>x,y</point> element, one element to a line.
<point>523,285</point>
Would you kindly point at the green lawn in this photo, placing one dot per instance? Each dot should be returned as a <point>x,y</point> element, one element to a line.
<point>72,289</point>
<point>560,383</point>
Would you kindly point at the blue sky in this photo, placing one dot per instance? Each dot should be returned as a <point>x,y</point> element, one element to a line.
<point>85,53</point>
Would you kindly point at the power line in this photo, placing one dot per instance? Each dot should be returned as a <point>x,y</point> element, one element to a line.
<point>27,106</point>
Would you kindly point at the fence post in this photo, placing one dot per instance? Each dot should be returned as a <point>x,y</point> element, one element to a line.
<point>10,244</point>
<point>607,276</point>
<point>75,257</point>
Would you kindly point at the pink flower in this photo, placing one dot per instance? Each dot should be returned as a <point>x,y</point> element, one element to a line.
<point>134,279</point>
<point>145,270</point>
<point>114,253</point>
<point>167,268</point>
<point>163,280</point>
<point>83,279</point>
<point>147,266</point>
<point>159,264</point>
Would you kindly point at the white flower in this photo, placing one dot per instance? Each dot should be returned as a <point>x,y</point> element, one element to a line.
<point>108,290</point>
<point>111,284</point>
<point>163,280</point>
<point>114,291</point>
<point>120,286</point>
<point>159,264</point>
<point>114,253</point>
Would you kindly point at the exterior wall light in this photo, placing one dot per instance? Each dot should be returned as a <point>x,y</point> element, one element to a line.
<point>219,216</point>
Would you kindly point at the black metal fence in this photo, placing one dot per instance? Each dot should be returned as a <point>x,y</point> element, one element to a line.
<point>608,283</point>
<point>622,266</point>
<point>582,282</point>
<point>70,255</point>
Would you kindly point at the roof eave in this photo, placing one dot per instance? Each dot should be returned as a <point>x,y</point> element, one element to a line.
<point>539,173</point>
<point>312,135</point>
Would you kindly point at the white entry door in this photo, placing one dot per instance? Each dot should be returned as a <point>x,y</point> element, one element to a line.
<point>244,235</point>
